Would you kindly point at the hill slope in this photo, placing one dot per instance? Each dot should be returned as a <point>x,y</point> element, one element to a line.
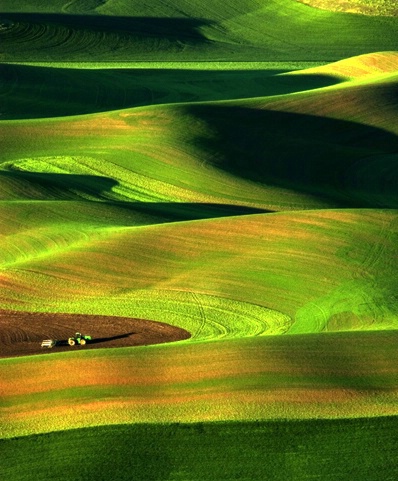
<point>188,30</point>
<point>144,167</point>
<point>239,205</point>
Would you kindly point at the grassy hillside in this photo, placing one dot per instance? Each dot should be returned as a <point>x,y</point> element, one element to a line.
<point>38,92</point>
<point>229,169</point>
<point>333,376</point>
<point>221,152</point>
<point>247,451</point>
<point>298,267</point>
<point>277,30</point>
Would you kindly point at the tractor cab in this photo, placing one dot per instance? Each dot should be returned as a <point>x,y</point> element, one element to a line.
<point>79,339</point>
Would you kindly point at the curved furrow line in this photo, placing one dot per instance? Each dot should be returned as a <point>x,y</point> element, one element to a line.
<point>375,244</point>
<point>302,266</point>
<point>16,335</point>
<point>41,38</point>
<point>27,33</point>
<point>313,317</point>
<point>73,37</point>
<point>218,318</point>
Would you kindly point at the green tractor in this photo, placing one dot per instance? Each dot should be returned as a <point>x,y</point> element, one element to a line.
<point>79,339</point>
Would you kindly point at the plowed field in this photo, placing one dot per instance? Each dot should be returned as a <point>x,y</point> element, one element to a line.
<point>21,333</point>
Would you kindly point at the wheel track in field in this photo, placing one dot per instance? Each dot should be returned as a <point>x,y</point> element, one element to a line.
<point>376,250</point>
<point>368,270</point>
<point>258,322</point>
<point>201,314</point>
<point>218,326</point>
<point>206,317</point>
<point>363,294</point>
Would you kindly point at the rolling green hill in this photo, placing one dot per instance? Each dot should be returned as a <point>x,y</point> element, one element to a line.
<point>275,30</point>
<point>228,168</point>
<point>250,451</point>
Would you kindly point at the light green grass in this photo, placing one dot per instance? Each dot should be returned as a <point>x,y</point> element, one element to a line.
<point>360,67</point>
<point>148,155</point>
<point>365,7</point>
<point>217,277</point>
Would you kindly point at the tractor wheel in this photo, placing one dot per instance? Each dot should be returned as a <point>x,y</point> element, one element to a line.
<point>82,342</point>
<point>71,342</point>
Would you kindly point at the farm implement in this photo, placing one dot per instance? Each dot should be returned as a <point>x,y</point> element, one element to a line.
<point>48,343</point>
<point>77,339</point>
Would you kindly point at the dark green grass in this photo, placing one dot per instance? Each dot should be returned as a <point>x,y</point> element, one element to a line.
<point>47,37</point>
<point>36,92</point>
<point>35,214</point>
<point>331,159</point>
<point>328,161</point>
<point>327,450</point>
<point>43,186</point>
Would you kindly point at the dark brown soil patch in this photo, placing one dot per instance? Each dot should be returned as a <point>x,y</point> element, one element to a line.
<point>21,333</point>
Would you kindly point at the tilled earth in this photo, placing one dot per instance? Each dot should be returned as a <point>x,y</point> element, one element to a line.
<point>21,333</point>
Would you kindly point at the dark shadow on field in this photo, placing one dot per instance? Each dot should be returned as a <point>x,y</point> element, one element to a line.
<point>50,186</point>
<point>100,454</point>
<point>184,211</point>
<point>187,29</point>
<point>355,449</point>
<point>96,192</point>
<point>97,340</point>
<point>49,37</point>
<point>345,163</point>
<point>37,92</point>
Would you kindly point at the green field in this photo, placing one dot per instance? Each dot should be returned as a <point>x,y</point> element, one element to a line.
<point>229,168</point>
<point>249,451</point>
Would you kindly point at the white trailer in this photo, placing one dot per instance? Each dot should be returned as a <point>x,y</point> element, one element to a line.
<point>49,343</point>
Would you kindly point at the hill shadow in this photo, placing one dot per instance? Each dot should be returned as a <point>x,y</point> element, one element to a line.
<point>39,37</point>
<point>47,186</point>
<point>315,155</point>
<point>40,92</point>
<point>176,29</point>
<point>186,211</point>
<point>96,190</point>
